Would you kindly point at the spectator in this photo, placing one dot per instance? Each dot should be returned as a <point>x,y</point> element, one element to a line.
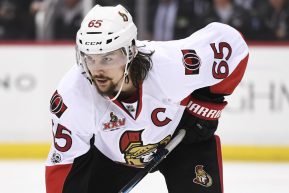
<point>68,16</point>
<point>274,20</point>
<point>226,11</point>
<point>59,19</point>
<point>171,19</point>
<point>246,4</point>
<point>16,22</point>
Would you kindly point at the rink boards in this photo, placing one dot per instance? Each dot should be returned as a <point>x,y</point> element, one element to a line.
<point>254,126</point>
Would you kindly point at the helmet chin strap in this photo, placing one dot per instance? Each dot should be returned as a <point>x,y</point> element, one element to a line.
<point>125,74</point>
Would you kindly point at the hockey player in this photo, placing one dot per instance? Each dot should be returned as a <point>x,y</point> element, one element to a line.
<point>125,100</point>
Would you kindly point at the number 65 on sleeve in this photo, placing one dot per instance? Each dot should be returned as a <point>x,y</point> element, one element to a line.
<point>66,147</point>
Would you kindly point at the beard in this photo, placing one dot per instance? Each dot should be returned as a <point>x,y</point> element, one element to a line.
<point>109,90</point>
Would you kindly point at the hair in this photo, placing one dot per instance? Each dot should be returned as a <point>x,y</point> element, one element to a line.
<point>139,67</point>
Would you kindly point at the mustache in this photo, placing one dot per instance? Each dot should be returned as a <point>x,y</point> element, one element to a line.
<point>101,77</point>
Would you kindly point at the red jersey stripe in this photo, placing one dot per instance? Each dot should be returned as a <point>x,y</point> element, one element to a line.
<point>228,85</point>
<point>55,177</point>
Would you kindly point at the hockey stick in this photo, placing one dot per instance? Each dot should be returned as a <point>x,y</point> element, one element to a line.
<point>158,157</point>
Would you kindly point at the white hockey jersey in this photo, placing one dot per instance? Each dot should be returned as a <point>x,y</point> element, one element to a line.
<point>215,57</point>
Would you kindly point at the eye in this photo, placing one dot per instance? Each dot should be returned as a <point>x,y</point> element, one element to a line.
<point>90,62</point>
<point>107,59</point>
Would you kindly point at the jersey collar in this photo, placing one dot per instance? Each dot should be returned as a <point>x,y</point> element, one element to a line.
<point>137,96</point>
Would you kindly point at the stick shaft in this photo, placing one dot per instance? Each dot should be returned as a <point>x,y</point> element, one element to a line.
<point>154,162</point>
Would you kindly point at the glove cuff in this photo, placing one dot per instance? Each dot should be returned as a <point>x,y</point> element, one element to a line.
<point>205,110</point>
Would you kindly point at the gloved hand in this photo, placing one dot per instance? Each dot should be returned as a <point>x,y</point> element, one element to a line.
<point>200,119</point>
<point>197,129</point>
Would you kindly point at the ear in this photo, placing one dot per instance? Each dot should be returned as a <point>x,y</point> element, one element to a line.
<point>134,51</point>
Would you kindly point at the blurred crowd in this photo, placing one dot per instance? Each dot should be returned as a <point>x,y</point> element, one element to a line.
<point>264,20</point>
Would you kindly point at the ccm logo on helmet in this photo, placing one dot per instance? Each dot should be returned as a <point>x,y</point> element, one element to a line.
<point>93,43</point>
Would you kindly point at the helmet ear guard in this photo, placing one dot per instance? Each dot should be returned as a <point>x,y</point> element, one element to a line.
<point>130,51</point>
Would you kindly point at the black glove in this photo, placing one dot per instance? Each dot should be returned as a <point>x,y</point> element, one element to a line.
<point>197,129</point>
<point>200,119</point>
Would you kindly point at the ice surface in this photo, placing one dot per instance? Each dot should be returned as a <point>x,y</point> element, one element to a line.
<point>239,177</point>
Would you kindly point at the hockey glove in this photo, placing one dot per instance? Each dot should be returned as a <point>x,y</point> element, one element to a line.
<point>200,119</point>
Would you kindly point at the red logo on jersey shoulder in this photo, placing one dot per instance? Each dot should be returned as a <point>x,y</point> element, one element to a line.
<point>57,105</point>
<point>114,123</point>
<point>191,62</point>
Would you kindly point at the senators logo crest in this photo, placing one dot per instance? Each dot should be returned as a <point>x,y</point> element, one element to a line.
<point>135,152</point>
<point>191,62</point>
<point>202,178</point>
<point>57,105</point>
<point>124,16</point>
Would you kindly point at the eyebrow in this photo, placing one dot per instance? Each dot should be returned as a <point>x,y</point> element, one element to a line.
<point>109,53</point>
<point>104,55</point>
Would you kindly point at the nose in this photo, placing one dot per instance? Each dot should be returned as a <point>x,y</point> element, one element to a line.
<point>96,68</point>
<point>99,71</point>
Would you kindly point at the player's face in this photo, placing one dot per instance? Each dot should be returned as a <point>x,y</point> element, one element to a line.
<point>106,70</point>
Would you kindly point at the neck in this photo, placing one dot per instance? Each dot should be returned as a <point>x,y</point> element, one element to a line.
<point>127,90</point>
<point>124,87</point>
